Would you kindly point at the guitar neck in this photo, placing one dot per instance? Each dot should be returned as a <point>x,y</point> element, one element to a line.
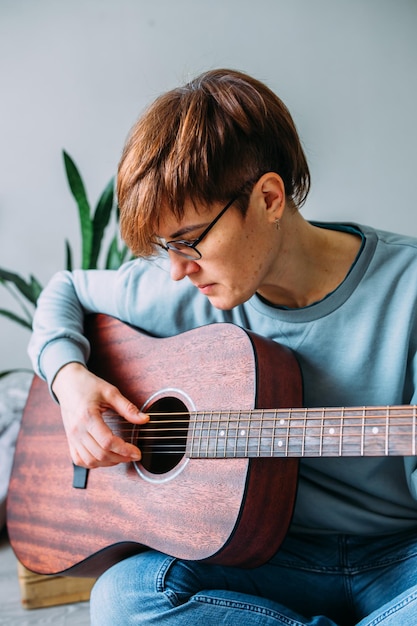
<point>321,432</point>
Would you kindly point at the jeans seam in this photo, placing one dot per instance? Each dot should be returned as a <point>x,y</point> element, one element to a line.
<point>160,582</point>
<point>246,606</point>
<point>394,609</point>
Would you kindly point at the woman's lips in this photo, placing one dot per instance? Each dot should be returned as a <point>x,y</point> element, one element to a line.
<point>205,289</point>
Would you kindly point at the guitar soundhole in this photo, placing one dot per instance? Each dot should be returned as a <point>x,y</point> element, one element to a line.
<point>163,440</point>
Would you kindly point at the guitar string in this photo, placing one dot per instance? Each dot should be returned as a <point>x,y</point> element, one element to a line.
<point>298,413</point>
<point>264,427</point>
<point>301,421</point>
<point>178,425</point>
<point>266,422</point>
<point>251,431</point>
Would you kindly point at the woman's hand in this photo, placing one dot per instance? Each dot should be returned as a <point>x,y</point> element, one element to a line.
<point>83,398</point>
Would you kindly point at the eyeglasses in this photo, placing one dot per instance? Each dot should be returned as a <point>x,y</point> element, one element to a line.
<point>188,249</point>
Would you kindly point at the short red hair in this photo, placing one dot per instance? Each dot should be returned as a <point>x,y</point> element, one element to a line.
<point>207,141</point>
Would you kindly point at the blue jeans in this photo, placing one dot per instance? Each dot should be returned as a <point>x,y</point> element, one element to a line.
<point>313,580</point>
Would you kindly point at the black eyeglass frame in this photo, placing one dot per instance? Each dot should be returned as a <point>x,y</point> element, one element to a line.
<point>171,245</point>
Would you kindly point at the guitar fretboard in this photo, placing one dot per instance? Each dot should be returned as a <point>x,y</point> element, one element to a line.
<point>322,432</point>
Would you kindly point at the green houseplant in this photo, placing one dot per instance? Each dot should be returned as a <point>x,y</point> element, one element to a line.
<point>96,249</point>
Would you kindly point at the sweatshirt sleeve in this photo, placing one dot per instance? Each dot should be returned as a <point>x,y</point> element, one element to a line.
<point>58,324</point>
<point>140,293</point>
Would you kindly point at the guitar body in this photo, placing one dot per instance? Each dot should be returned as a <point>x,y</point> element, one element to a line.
<point>230,511</point>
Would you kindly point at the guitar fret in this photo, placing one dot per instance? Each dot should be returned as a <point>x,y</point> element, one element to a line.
<point>266,430</point>
<point>233,435</point>
<point>236,436</point>
<point>217,453</point>
<point>228,448</point>
<point>301,435</point>
<point>247,431</point>
<point>261,433</point>
<point>291,427</point>
<point>303,440</point>
<point>273,435</point>
<point>327,434</point>
<point>204,440</point>
<point>199,439</point>
<point>287,439</point>
<point>341,432</point>
<point>321,433</point>
<point>209,427</point>
<point>280,435</point>
<point>256,436</point>
<point>230,437</point>
<point>231,430</point>
<point>222,438</point>
<point>240,436</point>
<point>316,434</point>
<point>191,437</point>
<point>269,439</point>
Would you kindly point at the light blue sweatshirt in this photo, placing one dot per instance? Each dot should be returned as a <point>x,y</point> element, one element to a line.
<point>357,346</point>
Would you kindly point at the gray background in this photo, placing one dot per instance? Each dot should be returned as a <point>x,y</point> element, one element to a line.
<point>76,75</point>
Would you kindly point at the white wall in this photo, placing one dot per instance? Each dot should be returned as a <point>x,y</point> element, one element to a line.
<point>76,75</point>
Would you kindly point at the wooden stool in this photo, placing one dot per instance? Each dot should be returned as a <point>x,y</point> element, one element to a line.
<point>40,591</point>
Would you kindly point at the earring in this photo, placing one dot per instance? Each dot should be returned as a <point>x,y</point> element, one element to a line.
<point>277,223</point>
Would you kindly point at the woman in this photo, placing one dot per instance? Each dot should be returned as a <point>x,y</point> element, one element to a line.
<point>210,185</point>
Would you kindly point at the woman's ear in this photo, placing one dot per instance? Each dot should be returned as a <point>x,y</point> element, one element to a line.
<point>270,191</point>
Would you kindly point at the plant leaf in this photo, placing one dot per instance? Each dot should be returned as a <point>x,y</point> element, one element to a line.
<point>36,287</point>
<point>17,369</point>
<point>100,221</point>
<point>78,191</point>
<point>28,290</point>
<point>113,257</point>
<point>68,256</point>
<point>16,318</point>
<point>117,256</point>
<point>125,254</point>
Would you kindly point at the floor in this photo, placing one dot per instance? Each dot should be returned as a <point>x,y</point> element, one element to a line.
<point>11,611</point>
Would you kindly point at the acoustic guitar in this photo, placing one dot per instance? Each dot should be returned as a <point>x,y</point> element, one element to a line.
<point>218,477</point>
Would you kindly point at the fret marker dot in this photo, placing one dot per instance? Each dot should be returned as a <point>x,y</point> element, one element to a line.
<point>222,433</point>
<point>375,430</point>
<point>242,433</point>
<point>331,431</point>
<point>280,444</point>
<point>282,422</point>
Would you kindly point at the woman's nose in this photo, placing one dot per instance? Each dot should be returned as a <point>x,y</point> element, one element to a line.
<point>182,267</point>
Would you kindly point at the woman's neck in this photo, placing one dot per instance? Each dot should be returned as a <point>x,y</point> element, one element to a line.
<point>311,263</point>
